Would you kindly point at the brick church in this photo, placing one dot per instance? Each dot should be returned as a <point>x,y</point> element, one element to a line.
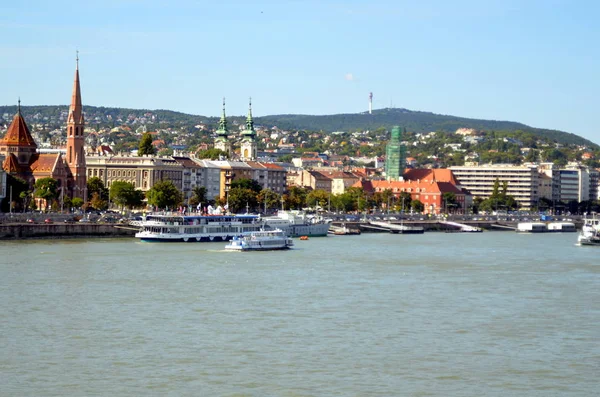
<point>23,160</point>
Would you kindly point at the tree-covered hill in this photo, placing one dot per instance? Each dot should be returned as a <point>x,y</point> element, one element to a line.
<point>413,121</point>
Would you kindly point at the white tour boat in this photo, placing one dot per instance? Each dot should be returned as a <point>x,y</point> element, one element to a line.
<point>196,228</point>
<point>263,240</point>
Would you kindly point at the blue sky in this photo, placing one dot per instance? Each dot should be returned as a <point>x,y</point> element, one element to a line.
<point>530,61</point>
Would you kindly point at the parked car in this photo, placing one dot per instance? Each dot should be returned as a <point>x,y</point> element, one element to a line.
<point>30,220</point>
<point>48,220</point>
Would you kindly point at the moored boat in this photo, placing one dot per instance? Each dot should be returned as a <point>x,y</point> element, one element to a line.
<point>590,232</point>
<point>297,223</point>
<point>263,240</point>
<point>195,228</point>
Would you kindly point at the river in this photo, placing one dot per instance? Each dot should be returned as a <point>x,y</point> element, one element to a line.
<point>438,314</point>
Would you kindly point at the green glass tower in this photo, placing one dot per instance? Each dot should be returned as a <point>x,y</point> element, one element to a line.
<point>395,156</point>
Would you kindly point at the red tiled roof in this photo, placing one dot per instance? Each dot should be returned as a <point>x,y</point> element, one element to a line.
<point>18,134</point>
<point>435,174</point>
<point>44,163</point>
<point>11,165</point>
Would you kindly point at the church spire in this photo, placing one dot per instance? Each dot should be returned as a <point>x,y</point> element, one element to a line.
<point>249,131</point>
<point>222,130</point>
<point>75,156</point>
<point>76,109</point>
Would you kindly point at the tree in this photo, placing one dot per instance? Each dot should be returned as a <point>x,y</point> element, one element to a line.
<point>125,194</point>
<point>212,154</point>
<point>198,196</point>
<point>295,198</point>
<point>97,202</point>
<point>164,194</point>
<point>20,193</point>
<point>95,185</point>
<point>76,202</point>
<point>268,199</point>
<point>404,201</point>
<point>47,189</point>
<point>240,198</point>
<point>146,146</point>
<point>246,183</point>
<point>449,200</point>
<point>317,197</point>
<point>417,206</point>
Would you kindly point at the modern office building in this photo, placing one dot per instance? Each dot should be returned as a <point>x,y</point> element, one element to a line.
<point>395,156</point>
<point>522,181</point>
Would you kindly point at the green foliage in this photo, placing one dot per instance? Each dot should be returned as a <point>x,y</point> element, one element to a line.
<point>76,202</point>
<point>295,198</point>
<point>198,196</point>
<point>212,154</point>
<point>125,194</point>
<point>96,185</point>
<point>318,197</point>
<point>417,206</point>
<point>46,188</point>
<point>164,194</point>
<point>269,199</point>
<point>499,199</point>
<point>97,202</point>
<point>146,146</point>
<point>246,183</point>
<point>240,198</point>
<point>20,194</point>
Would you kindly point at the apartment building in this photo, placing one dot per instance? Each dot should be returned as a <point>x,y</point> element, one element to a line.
<point>522,181</point>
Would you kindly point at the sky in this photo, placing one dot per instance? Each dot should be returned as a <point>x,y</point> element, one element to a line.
<point>530,61</point>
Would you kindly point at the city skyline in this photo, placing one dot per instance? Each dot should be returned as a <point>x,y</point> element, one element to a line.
<point>531,63</point>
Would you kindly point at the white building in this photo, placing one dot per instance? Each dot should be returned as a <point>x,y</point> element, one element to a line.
<point>522,181</point>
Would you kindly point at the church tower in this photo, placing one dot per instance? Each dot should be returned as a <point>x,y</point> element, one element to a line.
<point>222,141</point>
<point>248,146</point>
<point>75,141</point>
<point>18,145</point>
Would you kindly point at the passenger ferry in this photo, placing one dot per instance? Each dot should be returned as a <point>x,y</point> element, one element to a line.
<point>196,228</point>
<point>264,240</point>
<point>296,223</point>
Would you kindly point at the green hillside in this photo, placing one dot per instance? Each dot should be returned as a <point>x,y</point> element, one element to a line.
<point>413,121</point>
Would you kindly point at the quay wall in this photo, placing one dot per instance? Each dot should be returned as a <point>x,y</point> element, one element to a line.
<point>65,230</point>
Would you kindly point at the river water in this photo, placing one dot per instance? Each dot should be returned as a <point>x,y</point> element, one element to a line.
<point>439,314</point>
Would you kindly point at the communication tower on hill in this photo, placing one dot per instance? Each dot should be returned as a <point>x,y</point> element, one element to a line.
<point>370,102</point>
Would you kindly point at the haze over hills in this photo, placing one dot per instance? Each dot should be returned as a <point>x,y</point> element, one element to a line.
<point>414,121</point>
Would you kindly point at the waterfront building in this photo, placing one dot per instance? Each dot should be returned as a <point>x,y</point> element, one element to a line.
<point>222,141</point>
<point>141,171</point>
<point>229,172</point>
<point>427,191</point>
<point>574,183</point>
<point>209,176</point>
<point>395,156</point>
<point>522,181</point>
<point>22,159</point>
<point>248,145</point>
<point>190,176</point>
<point>313,180</point>
<point>269,176</point>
